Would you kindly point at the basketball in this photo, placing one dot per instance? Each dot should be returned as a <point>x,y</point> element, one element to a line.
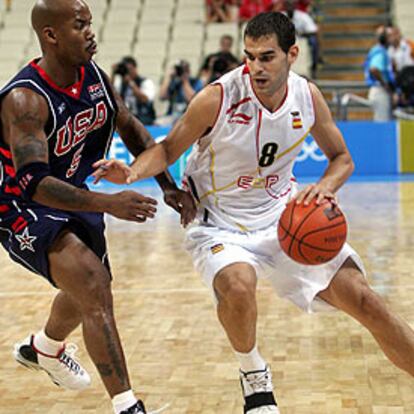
<point>312,234</point>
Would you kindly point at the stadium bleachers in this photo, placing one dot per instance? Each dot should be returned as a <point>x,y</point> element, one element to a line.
<point>156,32</point>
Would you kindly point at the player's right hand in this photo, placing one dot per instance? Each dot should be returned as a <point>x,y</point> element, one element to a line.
<point>132,206</point>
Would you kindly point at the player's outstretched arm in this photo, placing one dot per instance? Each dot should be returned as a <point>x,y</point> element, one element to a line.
<point>331,142</point>
<point>196,122</point>
<point>137,139</point>
<point>24,114</point>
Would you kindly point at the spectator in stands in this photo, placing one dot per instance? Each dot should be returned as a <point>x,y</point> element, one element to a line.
<point>405,85</point>
<point>305,27</point>
<point>251,8</point>
<point>178,87</point>
<point>221,61</point>
<point>303,5</point>
<point>379,77</point>
<point>137,92</point>
<point>8,5</point>
<point>218,11</point>
<point>400,50</point>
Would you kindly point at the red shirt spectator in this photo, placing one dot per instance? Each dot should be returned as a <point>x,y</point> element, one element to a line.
<point>250,8</point>
<point>303,5</point>
<point>218,11</point>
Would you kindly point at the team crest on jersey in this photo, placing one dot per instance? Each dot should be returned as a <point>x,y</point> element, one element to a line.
<point>26,240</point>
<point>296,120</point>
<point>217,248</point>
<point>96,91</point>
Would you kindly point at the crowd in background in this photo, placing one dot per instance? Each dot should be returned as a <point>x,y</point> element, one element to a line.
<point>389,73</point>
<point>181,82</point>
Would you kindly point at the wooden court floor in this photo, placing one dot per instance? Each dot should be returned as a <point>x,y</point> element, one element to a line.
<point>176,350</point>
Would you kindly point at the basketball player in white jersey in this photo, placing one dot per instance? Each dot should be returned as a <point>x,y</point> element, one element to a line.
<point>247,129</point>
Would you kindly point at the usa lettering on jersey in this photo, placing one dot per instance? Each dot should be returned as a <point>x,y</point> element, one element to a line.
<point>76,130</point>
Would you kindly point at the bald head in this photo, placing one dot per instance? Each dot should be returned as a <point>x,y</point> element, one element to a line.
<point>51,13</point>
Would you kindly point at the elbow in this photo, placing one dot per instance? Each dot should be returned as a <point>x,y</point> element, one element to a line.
<point>350,165</point>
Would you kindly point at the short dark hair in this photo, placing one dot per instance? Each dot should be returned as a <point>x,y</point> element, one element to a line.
<point>227,37</point>
<point>129,60</point>
<point>272,23</point>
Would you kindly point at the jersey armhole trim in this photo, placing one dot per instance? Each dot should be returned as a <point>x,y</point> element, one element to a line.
<point>313,103</point>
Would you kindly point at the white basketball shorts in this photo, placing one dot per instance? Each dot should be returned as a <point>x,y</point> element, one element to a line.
<point>214,248</point>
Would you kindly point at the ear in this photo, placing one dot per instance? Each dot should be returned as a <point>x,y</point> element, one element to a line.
<point>292,54</point>
<point>49,35</point>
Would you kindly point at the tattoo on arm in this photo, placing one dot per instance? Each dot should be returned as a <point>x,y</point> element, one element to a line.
<point>29,149</point>
<point>59,194</point>
<point>27,146</point>
<point>28,118</point>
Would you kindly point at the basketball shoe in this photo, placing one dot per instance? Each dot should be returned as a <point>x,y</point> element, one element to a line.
<point>258,392</point>
<point>139,408</point>
<point>63,369</point>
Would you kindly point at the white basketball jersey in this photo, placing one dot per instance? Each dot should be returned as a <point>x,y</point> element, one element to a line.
<point>241,172</point>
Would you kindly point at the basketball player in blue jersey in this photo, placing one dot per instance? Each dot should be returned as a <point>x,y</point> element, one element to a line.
<point>247,129</point>
<point>58,115</point>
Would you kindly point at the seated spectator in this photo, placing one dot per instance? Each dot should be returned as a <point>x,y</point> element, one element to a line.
<point>234,6</point>
<point>218,11</point>
<point>228,60</point>
<point>223,63</point>
<point>380,78</point>
<point>8,5</point>
<point>400,50</point>
<point>137,92</point>
<point>178,87</point>
<point>303,5</point>
<point>251,8</point>
<point>305,27</point>
<point>405,85</point>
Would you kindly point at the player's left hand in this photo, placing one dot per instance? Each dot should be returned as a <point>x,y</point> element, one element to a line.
<point>183,203</point>
<point>114,171</point>
<point>318,191</point>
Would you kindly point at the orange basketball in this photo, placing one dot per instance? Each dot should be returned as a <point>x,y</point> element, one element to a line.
<point>312,234</point>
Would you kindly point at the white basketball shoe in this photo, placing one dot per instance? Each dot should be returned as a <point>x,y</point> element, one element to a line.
<point>63,369</point>
<point>258,392</point>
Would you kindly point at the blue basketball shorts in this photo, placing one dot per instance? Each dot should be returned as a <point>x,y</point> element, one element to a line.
<point>28,233</point>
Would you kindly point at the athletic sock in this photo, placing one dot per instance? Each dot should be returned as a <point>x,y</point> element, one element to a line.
<point>121,402</point>
<point>252,361</point>
<point>46,345</point>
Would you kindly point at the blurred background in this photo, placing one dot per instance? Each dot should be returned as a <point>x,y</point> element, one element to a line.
<point>160,53</point>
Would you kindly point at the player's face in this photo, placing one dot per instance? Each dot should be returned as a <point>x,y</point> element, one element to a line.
<point>268,64</point>
<point>77,39</point>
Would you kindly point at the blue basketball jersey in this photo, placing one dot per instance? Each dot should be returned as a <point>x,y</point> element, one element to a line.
<point>79,129</point>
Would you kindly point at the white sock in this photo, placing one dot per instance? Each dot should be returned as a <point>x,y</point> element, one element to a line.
<point>123,401</point>
<point>46,345</point>
<point>252,361</point>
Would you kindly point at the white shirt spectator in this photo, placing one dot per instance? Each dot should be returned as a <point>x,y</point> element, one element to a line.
<point>304,23</point>
<point>401,55</point>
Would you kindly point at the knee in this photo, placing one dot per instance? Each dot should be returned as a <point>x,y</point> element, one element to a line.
<point>96,290</point>
<point>236,290</point>
<point>371,308</point>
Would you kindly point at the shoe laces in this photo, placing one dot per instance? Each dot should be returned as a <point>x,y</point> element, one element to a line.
<point>67,358</point>
<point>259,381</point>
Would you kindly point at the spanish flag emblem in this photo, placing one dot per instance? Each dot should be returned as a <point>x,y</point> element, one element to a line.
<point>217,248</point>
<point>296,120</point>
